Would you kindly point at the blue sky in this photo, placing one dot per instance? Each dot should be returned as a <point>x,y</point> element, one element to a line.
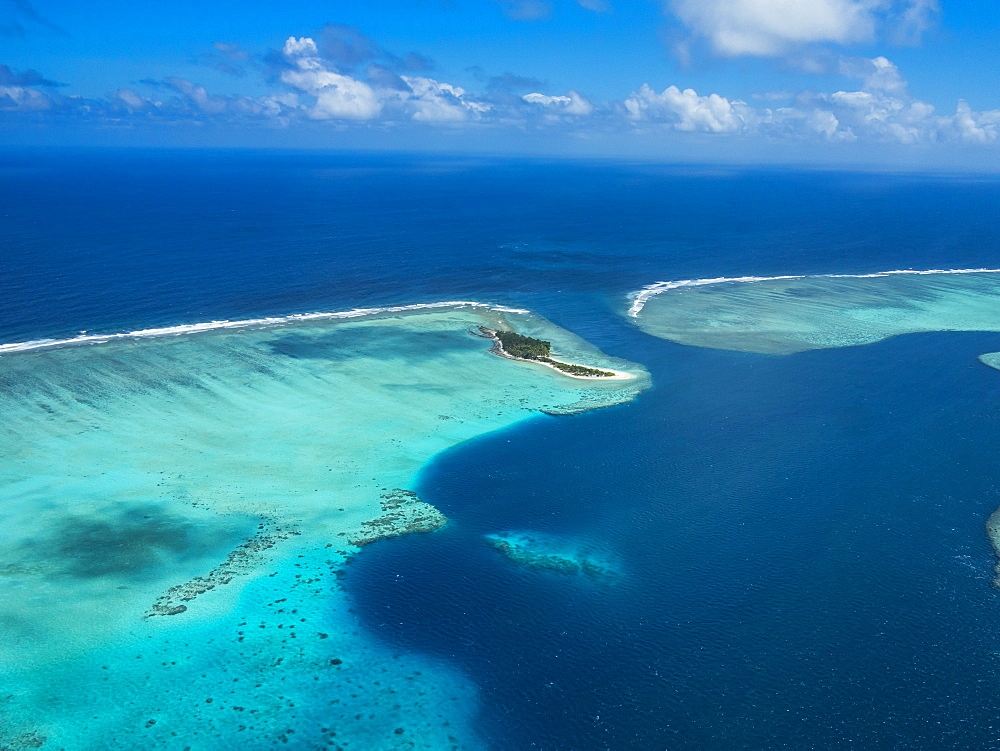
<point>841,81</point>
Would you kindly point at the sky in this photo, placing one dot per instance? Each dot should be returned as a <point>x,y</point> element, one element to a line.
<point>893,82</point>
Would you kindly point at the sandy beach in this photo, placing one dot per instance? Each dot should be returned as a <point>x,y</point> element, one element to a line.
<point>619,375</point>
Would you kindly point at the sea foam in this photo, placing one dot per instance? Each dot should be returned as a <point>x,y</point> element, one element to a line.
<point>793,313</point>
<point>248,323</point>
<point>640,298</point>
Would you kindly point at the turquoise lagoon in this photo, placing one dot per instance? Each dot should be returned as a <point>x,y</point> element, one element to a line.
<point>177,510</point>
<point>786,314</point>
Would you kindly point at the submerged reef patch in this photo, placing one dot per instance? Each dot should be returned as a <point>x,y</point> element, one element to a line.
<point>548,553</point>
<point>404,513</point>
<point>993,531</point>
<point>241,561</point>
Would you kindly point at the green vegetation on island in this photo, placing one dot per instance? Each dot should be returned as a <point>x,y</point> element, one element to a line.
<point>528,348</point>
<point>525,347</point>
<point>579,370</point>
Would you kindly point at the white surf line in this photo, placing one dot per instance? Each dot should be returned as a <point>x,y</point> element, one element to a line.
<point>642,296</point>
<point>193,328</point>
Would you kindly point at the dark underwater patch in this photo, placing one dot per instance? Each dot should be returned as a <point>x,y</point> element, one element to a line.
<point>132,544</point>
<point>366,341</point>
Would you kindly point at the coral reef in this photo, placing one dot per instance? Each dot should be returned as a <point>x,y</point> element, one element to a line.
<point>240,561</point>
<point>545,553</point>
<point>404,512</point>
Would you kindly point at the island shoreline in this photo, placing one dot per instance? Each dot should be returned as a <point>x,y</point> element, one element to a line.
<point>498,349</point>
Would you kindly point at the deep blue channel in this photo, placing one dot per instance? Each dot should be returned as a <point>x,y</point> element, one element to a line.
<point>804,557</point>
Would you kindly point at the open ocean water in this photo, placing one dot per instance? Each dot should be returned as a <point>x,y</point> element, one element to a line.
<point>799,540</point>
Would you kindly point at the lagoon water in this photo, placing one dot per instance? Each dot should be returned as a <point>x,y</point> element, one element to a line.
<point>798,541</point>
<point>784,315</point>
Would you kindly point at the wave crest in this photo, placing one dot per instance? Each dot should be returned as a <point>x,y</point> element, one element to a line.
<point>640,298</point>
<point>256,323</point>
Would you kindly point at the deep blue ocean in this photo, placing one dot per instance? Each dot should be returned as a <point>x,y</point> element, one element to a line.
<point>801,539</point>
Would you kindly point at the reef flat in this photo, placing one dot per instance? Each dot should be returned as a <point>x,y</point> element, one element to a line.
<point>543,552</point>
<point>992,359</point>
<point>783,315</point>
<point>178,511</point>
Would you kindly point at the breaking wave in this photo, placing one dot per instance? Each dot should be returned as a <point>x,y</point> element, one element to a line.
<point>256,323</point>
<point>640,298</point>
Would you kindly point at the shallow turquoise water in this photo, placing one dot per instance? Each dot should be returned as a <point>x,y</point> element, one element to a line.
<point>176,511</point>
<point>792,314</point>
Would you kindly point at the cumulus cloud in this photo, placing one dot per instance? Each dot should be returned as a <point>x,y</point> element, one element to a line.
<point>358,87</point>
<point>688,111</point>
<point>345,97</point>
<point>881,110</point>
<point>571,104</point>
<point>768,28</point>
<point>132,101</point>
<point>876,74</point>
<point>917,16</point>
<point>187,100</point>
<point>337,95</point>
<point>22,99</point>
<point>433,101</point>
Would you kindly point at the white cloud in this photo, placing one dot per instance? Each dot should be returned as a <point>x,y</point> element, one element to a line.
<point>23,99</point>
<point>971,127</point>
<point>300,47</point>
<point>770,28</point>
<point>688,111</point>
<point>337,96</point>
<point>132,101</point>
<point>433,101</point>
<point>343,97</point>
<point>876,74</point>
<point>878,108</point>
<point>882,110</point>
<point>207,103</point>
<point>916,18</point>
<point>571,104</point>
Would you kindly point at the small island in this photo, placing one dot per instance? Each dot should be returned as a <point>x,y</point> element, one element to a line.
<point>516,346</point>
